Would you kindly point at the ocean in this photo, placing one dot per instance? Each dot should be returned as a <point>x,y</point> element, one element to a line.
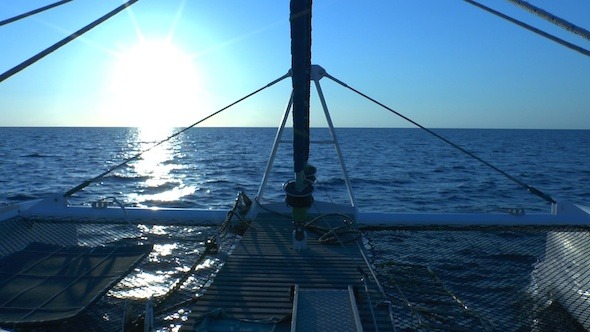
<point>492,274</point>
<point>391,170</point>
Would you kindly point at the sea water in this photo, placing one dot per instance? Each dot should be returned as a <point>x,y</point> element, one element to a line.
<point>391,170</point>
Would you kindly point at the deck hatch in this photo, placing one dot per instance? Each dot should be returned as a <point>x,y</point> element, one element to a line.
<point>325,309</point>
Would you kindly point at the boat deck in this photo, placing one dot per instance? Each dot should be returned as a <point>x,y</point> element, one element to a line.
<point>256,281</point>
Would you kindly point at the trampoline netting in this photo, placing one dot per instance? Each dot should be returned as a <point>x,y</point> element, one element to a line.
<point>44,283</point>
<point>509,278</point>
<point>93,275</point>
<point>485,278</point>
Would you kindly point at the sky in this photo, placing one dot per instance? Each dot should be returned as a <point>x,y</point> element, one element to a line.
<point>442,63</point>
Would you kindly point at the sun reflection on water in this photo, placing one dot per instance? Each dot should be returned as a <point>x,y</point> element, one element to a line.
<point>143,285</point>
<point>164,249</point>
<point>175,251</point>
<point>155,229</point>
<point>208,263</point>
<point>156,168</point>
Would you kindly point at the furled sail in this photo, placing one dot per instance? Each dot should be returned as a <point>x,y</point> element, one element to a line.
<point>300,19</point>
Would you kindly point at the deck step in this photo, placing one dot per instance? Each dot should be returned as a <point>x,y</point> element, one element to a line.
<point>325,309</point>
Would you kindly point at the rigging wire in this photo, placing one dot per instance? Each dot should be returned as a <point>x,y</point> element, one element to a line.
<point>529,188</point>
<point>32,12</point>
<point>552,18</point>
<point>10,72</point>
<point>531,28</point>
<point>101,175</point>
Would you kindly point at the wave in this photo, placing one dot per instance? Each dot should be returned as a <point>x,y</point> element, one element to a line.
<point>161,187</point>
<point>419,178</point>
<point>127,177</point>
<point>332,182</point>
<point>21,197</point>
<point>36,155</point>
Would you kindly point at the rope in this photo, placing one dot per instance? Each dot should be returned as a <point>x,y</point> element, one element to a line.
<point>277,213</point>
<point>364,280</point>
<point>336,239</point>
<point>64,41</point>
<point>327,235</point>
<point>379,286</point>
<point>159,308</point>
<point>335,232</point>
<point>529,188</point>
<point>139,154</point>
<point>364,275</point>
<point>553,19</point>
<point>32,12</point>
<point>331,235</point>
<point>532,29</point>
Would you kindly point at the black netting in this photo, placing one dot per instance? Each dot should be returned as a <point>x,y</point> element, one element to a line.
<point>485,279</point>
<point>176,249</point>
<point>442,278</point>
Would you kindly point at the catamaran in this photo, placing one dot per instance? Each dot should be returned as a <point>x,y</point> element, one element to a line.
<point>298,264</point>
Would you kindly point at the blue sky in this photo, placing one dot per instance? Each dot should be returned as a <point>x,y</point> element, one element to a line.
<point>443,63</point>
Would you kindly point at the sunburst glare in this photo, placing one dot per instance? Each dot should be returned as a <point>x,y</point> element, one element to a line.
<point>153,84</point>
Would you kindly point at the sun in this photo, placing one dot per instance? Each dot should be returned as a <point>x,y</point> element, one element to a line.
<point>153,84</point>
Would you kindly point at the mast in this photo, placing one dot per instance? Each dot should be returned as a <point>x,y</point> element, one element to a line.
<point>300,19</point>
<point>299,192</point>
